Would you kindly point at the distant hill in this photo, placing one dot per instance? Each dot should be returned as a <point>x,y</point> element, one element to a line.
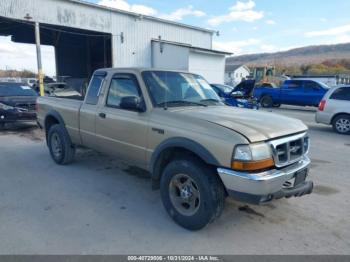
<point>298,56</point>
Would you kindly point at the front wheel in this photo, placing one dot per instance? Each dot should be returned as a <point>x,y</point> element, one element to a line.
<point>341,124</point>
<point>192,194</point>
<point>61,148</point>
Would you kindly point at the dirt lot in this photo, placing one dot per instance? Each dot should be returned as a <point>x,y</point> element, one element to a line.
<point>99,205</point>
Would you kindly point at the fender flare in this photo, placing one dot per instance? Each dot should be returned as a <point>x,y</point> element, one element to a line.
<point>56,115</point>
<point>180,142</point>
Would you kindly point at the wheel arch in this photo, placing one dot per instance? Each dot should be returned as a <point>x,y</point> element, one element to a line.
<point>263,95</point>
<point>173,147</point>
<point>52,118</point>
<point>338,114</point>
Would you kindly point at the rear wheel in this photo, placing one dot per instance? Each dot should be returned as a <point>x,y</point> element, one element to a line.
<point>266,101</point>
<point>341,124</point>
<point>61,148</point>
<point>192,193</point>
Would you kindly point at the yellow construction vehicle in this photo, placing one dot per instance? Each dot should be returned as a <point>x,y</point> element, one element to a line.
<point>265,75</point>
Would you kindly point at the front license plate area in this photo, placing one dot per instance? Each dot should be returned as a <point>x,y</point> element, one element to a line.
<point>300,176</point>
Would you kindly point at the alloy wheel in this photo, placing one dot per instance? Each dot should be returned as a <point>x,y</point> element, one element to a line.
<point>56,145</point>
<point>343,125</point>
<point>184,194</point>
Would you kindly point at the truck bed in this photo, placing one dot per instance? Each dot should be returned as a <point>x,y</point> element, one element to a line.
<point>67,108</point>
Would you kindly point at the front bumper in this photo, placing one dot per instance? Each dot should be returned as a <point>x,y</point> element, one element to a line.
<point>13,116</point>
<point>264,186</point>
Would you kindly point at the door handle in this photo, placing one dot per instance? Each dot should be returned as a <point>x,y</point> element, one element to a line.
<point>102,115</point>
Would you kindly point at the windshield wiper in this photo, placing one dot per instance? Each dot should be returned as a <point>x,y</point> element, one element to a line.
<point>180,102</point>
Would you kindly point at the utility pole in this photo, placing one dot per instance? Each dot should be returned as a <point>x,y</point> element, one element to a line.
<point>38,57</point>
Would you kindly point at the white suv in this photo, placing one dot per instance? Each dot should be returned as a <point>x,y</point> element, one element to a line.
<point>334,109</point>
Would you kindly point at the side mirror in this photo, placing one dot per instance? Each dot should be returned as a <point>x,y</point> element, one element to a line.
<point>132,103</point>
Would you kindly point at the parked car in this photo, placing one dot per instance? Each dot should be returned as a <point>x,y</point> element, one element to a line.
<point>197,150</point>
<point>239,96</point>
<point>334,109</point>
<point>292,92</point>
<point>17,103</point>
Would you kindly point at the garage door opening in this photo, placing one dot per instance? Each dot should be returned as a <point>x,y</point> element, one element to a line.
<point>77,53</point>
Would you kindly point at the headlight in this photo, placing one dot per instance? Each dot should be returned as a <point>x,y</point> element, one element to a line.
<point>5,107</point>
<point>252,157</point>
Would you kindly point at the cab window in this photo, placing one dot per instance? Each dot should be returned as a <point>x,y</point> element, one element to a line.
<point>293,84</point>
<point>310,86</point>
<point>94,89</point>
<point>122,86</point>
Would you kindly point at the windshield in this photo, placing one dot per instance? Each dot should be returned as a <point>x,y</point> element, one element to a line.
<point>179,89</point>
<point>11,89</point>
<point>224,88</point>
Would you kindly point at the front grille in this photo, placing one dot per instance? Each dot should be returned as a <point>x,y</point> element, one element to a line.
<point>26,106</point>
<point>290,149</point>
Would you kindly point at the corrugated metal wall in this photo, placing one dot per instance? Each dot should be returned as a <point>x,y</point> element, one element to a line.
<point>135,50</point>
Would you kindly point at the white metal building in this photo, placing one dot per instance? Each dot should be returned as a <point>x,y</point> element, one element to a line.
<point>234,74</point>
<point>88,36</point>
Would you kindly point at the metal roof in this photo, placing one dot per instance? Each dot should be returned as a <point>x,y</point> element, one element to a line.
<point>192,47</point>
<point>141,16</point>
<point>319,76</point>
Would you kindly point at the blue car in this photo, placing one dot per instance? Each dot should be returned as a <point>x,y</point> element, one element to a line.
<point>292,92</point>
<point>239,96</point>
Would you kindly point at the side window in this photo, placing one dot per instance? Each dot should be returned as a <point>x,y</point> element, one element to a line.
<point>310,86</point>
<point>293,84</point>
<point>122,86</point>
<point>342,93</point>
<point>94,89</point>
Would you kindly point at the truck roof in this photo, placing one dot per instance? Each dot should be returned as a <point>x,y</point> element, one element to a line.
<point>138,69</point>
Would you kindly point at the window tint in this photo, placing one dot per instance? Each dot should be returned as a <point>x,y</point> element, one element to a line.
<point>122,86</point>
<point>293,84</point>
<point>94,88</point>
<point>309,86</point>
<point>342,93</point>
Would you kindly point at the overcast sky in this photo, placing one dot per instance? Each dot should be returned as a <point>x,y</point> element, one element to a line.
<point>245,26</point>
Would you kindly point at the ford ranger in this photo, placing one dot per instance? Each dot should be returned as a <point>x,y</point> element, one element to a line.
<point>197,150</point>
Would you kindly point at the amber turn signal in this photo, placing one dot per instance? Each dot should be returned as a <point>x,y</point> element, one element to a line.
<point>252,165</point>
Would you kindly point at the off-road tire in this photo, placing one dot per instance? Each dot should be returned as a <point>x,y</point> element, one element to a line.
<point>66,156</point>
<point>210,187</point>
<point>266,101</point>
<point>344,119</point>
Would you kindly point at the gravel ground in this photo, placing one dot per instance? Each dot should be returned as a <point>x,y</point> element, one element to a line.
<point>99,205</point>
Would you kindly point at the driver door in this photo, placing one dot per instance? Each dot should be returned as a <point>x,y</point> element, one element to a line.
<point>119,131</point>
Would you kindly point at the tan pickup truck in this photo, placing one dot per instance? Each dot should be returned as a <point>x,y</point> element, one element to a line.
<point>197,150</point>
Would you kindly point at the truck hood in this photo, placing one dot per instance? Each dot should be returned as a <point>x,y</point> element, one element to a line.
<point>254,125</point>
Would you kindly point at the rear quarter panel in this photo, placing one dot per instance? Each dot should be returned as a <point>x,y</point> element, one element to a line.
<point>68,109</point>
